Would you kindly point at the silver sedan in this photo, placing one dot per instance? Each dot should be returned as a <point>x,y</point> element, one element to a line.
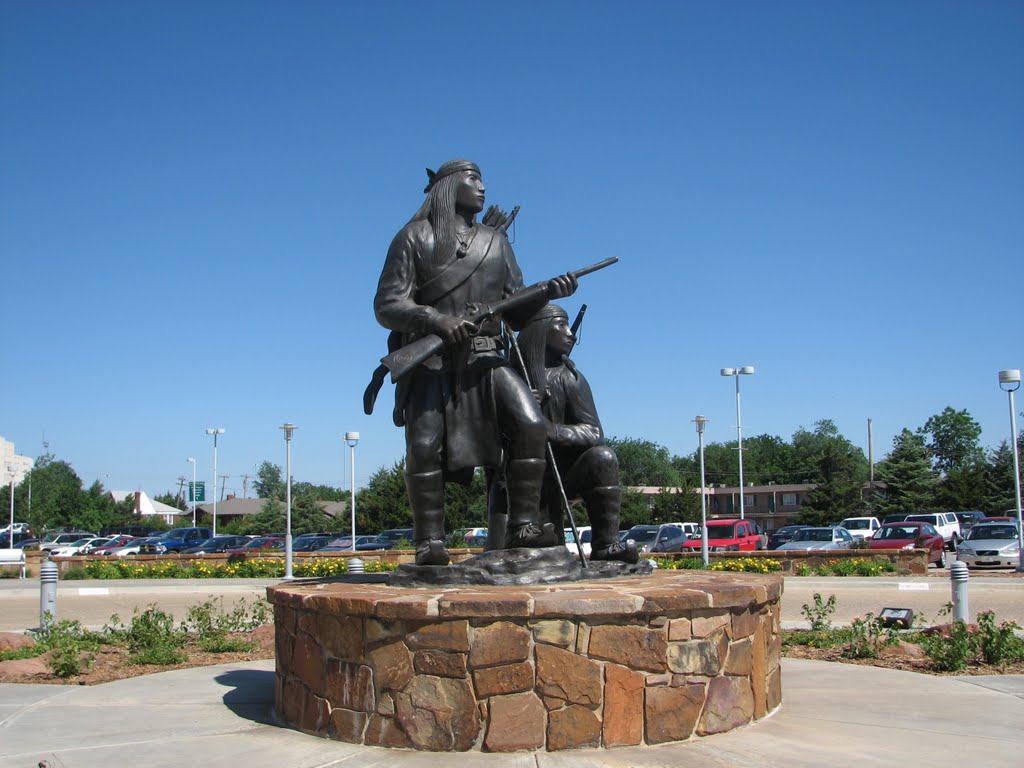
<point>990,545</point>
<point>819,539</point>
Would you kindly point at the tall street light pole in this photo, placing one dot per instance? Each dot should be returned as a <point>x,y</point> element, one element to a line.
<point>215,431</point>
<point>193,494</point>
<point>289,429</point>
<point>351,438</point>
<point>700,421</point>
<point>1009,382</point>
<point>746,370</point>
<point>10,531</point>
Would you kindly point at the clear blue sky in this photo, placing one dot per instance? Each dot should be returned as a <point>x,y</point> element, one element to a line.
<point>196,199</point>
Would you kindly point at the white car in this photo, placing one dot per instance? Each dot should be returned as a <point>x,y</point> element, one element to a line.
<point>818,539</point>
<point>132,547</point>
<point>80,547</point>
<point>585,537</point>
<point>861,527</point>
<point>946,523</point>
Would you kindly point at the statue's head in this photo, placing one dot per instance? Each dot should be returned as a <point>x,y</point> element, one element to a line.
<point>453,188</point>
<point>545,339</point>
<point>455,185</point>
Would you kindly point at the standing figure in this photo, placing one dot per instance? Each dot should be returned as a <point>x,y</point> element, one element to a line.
<point>464,407</point>
<point>589,469</point>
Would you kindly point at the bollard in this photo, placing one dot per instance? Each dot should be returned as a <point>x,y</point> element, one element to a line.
<point>47,593</point>
<point>355,565</point>
<point>958,577</point>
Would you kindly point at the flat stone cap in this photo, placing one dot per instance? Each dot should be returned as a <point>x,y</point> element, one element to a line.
<point>663,592</point>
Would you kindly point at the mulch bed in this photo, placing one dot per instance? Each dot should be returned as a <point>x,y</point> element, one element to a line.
<point>109,663</point>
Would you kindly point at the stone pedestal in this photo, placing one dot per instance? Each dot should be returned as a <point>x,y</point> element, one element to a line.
<point>622,662</point>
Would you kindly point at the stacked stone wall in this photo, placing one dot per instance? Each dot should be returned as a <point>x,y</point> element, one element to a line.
<point>501,669</point>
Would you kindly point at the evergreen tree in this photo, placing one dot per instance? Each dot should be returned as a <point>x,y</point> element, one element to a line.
<point>910,483</point>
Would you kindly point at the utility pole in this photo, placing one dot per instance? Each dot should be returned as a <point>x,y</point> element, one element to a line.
<point>181,487</point>
<point>223,480</point>
<point>245,486</point>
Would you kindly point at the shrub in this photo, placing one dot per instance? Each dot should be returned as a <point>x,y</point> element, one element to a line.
<point>949,654</point>
<point>152,638</point>
<point>868,637</point>
<point>819,614</point>
<point>997,645</point>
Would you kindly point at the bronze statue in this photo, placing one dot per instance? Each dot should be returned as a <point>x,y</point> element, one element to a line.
<point>462,406</point>
<point>586,467</point>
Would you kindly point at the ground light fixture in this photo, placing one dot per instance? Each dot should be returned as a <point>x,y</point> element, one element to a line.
<point>351,439</point>
<point>1009,382</point>
<point>289,430</point>
<point>745,370</point>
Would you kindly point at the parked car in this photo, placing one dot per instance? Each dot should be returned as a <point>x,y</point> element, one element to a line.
<point>28,544</point>
<point>945,523</point>
<point>395,535</point>
<point>258,544</point>
<point>344,543</point>
<point>911,535</point>
<point>780,536</point>
<point>175,540</point>
<point>312,542</point>
<point>690,529</point>
<point>819,539</point>
<point>656,538</point>
<point>133,546</point>
<point>728,536</point>
<point>990,545</point>
<point>57,540</point>
<point>896,517</point>
<point>217,544</point>
<point>861,527</point>
<point>586,535</point>
<point>968,519</point>
<point>80,547</point>
<point>112,543</point>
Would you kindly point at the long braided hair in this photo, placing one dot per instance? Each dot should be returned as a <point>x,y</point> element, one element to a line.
<point>439,207</point>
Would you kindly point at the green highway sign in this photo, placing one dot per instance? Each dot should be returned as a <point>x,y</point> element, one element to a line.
<point>197,491</point>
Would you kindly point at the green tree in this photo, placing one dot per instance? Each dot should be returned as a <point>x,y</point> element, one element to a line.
<point>634,509</point>
<point>910,484</point>
<point>172,500</point>
<point>384,502</point>
<point>643,463</point>
<point>269,483</point>
<point>465,506</point>
<point>952,440</point>
<point>56,494</point>
<point>676,505</point>
<point>999,493</point>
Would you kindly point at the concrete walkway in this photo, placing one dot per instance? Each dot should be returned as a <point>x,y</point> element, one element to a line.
<point>832,715</point>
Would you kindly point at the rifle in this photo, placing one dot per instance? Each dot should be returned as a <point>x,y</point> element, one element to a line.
<point>402,361</point>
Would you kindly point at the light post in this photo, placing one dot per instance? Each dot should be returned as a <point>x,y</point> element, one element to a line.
<point>745,370</point>
<point>288,428</point>
<point>10,531</point>
<point>700,421</point>
<point>1009,382</point>
<point>215,431</point>
<point>351,438</point>
<point>193,494</point>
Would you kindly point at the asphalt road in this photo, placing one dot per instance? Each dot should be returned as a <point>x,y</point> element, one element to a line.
<point>93,602</point>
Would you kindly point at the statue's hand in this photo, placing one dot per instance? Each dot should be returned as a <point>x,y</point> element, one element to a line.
<point>561,286</point>
<point>454,329</point>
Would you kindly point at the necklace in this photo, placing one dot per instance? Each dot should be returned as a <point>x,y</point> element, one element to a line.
<point>464,238</point>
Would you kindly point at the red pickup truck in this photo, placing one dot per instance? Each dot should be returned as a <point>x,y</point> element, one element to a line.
<point>728,536</point>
